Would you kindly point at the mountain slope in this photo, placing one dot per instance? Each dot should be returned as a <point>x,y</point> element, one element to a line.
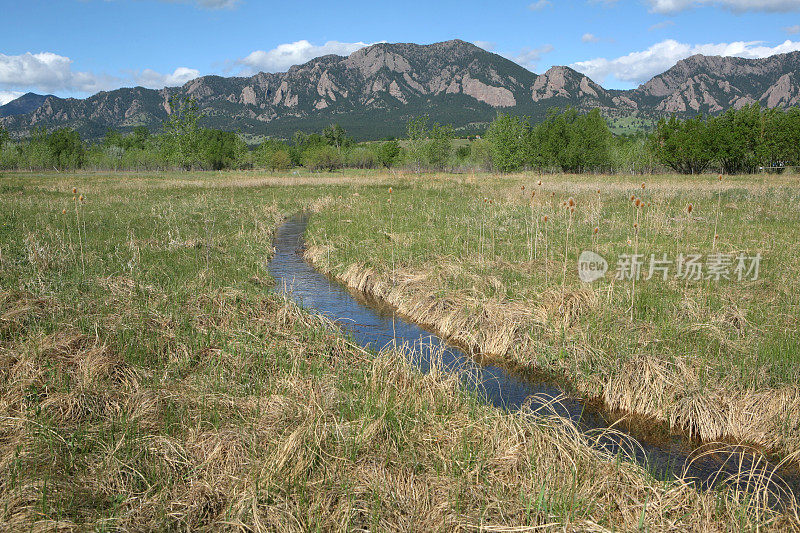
<point>27,103</point>
<point>710,84</point>
<point>374,91</point>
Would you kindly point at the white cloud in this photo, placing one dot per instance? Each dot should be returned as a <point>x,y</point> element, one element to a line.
<point>155,80</point>
<point>590,38</point>
<point>52,73</point>
<point>7,96</point>
<point>792,30</point>
<point>285,55</point>
<point>217,4</point>
<point>207,4</point>
<point>528,57</point>
<point>486,45</point>
<point>638,67</point>
<point>538,5</point>
<point>661,25</point>
<point>737,6</point>
<point>49,72</point>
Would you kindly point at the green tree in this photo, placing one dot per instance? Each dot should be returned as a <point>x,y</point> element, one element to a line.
<point>362,157</point>
<point>480,154</point>
<point>217,150</point>
<point>507,136</point>
<point>337,137</point>
<point>279,160</point>
<point>589,143</point>
<point>417,129</point>
<point>737,138</point>
<point>181,131</point>
<point>139,138</point>
<point>389,153</point>
<point>66,148</point>
<point>322,157</point>
<point>684,146</point>
<point>303,142</point>
<point>570,141</point>
<point>440,145</point>
<point>4,137</point>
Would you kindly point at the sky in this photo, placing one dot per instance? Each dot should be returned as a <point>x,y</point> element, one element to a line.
<point>79,47</point>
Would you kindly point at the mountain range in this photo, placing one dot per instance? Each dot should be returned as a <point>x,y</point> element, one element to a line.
<point>27,103</point>
<point>374,91</point>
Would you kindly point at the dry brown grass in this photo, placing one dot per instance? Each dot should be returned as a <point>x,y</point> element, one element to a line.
<point>675,390</point>
<point>164,390</point>
<point>113,446</point>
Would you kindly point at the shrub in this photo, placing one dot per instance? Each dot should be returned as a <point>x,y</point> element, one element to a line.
<point>279,160</point>
<point>362,157</point>
<point>322,158</point>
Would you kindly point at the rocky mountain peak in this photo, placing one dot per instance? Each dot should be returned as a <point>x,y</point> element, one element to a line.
<point>378,88</point>
<point>564,82</point>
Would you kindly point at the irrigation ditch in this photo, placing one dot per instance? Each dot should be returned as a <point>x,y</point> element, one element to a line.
<point>664,452</point>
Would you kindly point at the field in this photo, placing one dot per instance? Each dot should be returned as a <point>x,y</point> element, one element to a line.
<point>151,380</point>
<point>715,357</point>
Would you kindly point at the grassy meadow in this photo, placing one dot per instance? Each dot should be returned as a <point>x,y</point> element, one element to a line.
<point>151,380</point>
<point>492,263</point>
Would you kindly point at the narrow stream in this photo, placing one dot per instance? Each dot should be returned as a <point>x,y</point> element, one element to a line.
<point>371,325</point>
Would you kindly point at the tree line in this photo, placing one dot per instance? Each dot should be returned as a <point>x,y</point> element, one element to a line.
<point>736,141</point>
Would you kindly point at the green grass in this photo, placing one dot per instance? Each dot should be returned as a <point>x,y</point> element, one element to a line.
<point>149,379</point>
<point>470,241</point>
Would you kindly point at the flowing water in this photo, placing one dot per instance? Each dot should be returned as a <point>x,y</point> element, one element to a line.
<point>372,325</point>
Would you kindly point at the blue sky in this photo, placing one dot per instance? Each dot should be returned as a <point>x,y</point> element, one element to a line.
<point>78,47</point>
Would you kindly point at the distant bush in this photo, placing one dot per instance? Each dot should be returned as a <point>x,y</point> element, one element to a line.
<point>429,145</point>
<point>737,141</point>
<point>279,160</point>
<point>362,157</point>
<point>389,153</point>
<point>66,148</point>
<point>480,154</point>
<point>322,158</point>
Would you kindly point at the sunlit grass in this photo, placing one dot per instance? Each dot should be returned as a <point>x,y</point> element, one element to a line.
<point>150,380</point>
<point>466,243</point>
